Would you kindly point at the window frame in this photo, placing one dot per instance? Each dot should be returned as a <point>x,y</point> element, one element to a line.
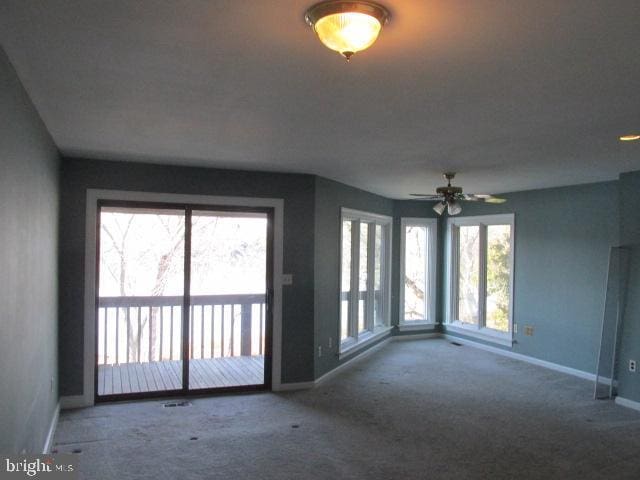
<point>480,330</point>
<point>431,224</point>
<point>357,340</point>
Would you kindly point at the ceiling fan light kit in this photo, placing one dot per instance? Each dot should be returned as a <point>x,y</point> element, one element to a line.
<point>454,208</point>
<point>449,197</point>
<point>347,27</point>
<point>440,207</point>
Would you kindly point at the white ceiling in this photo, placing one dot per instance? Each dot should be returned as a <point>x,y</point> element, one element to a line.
<point>513,95</point>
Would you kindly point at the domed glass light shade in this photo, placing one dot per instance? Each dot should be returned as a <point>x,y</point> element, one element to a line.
<point>347,27</point>
<point>439,207</point>
<point>454,208</point>
<point>629,138</point>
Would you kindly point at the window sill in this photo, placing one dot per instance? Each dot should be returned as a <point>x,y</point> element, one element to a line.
<point>349,347</point>
<point>416,325</point>
<point>485,334</point>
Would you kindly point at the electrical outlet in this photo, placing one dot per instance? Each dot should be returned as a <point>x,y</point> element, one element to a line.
<point>319,350</point>
<point>528,330</point>
<point>632,365</point>
<point>515,328</point>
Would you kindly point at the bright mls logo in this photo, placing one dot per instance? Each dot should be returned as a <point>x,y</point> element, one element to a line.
<point>40,466</point>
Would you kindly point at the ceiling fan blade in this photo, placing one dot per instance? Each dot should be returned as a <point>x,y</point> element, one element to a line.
<point>425,196</point>
<point>482,197</point>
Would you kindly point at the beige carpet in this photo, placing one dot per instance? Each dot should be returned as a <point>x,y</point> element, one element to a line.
<point>419,409</point>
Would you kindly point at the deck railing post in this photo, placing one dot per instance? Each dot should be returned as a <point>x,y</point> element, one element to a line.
<point>245,329</point>
<point>117,361</point>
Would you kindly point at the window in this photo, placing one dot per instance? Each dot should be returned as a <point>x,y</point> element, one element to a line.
<point>480,294</point>
<point>418,272</point>
<point>365,277</point>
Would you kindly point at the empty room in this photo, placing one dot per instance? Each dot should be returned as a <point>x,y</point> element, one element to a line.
<point>341,239</point>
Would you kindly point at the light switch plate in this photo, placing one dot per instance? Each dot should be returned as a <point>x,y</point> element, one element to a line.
<point>287,279</point>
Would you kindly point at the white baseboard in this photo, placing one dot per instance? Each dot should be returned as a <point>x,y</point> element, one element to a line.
<point>524,358</point>
<point>625,402</point>
<point>516,356</point>
<point>74,401</point>
<point>332,373</point>
<point>606,381</point>
<point>52,430</point>
<point>351,361</point>
<point>79,401</point>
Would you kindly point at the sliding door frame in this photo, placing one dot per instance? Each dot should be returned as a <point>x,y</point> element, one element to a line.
<point>187,210</point>
<point>273,208</point>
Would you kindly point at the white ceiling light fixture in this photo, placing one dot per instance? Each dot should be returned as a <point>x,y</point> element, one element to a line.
<point>347,27</point>
<point>629,138</point>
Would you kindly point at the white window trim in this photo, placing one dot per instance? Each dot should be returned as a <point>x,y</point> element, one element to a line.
<point>414,325</point>
<point>478,331</point>
<point>432,231</point>
<point>350,346</point>
<point>482,333</point>
<point>357,340</point>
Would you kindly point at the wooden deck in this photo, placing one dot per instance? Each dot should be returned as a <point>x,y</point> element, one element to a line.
<point>167,375</point>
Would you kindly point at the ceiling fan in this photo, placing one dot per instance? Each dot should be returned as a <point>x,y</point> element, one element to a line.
<point>449,197</point>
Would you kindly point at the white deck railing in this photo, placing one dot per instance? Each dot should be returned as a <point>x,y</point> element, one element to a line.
<point>149,329</point>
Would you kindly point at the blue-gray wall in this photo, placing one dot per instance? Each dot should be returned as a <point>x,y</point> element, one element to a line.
<point>562,241</point>
<point>629,383</point>
<point>330,198</point>
<point>297,191</point>
<point>563,237</point>
<point>28,266</point>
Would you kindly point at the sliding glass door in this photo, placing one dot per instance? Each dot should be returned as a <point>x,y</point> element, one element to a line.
<point>183,299</point>
<point>227,299</point>
<point>140,300</point>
